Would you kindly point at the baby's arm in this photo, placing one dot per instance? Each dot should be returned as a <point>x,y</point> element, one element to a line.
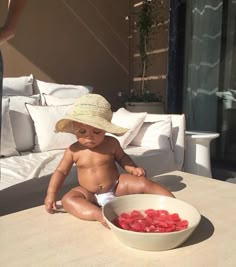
<point>57,179</point>
<point>126,162</point>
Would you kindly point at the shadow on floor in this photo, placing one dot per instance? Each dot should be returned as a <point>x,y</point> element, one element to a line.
<point>28,194</point>
<point>223,170</point>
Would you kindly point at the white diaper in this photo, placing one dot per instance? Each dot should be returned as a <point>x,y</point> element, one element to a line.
<point>103,198</point>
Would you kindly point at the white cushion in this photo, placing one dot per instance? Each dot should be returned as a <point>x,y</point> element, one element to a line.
<point>45,118</point>
<point>51,100</point>
<point>60,90</point>
<point>154,161</point>
<point>18,85</point>
<point>8,146</point>
<point>155,135</point>
<point>131,120</point>
<point>22,124</point>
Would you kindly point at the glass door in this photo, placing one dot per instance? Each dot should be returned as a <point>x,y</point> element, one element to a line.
<point>210,72</point>
<point>227,93</point>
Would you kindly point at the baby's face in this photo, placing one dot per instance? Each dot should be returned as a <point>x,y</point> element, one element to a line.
<point>88,136</point>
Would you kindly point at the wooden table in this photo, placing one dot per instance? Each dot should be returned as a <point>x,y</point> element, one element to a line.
<point>34,238</point>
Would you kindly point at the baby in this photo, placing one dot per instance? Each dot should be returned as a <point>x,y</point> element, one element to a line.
<point>95,155</point>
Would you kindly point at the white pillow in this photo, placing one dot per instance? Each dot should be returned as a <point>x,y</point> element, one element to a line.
<point>45,118</point>
<point>8,146</point>
<point>154,135</point>
<point>18,85</point>
<point>51,100</point>
<point>61,90</point>
<point>131,120</point>
<point>22,124</point>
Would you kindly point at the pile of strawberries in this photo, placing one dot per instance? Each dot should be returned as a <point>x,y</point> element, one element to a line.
<point>160,221</point>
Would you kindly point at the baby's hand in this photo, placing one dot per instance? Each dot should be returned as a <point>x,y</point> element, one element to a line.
<point>138,171</point>
<point>50,202</point>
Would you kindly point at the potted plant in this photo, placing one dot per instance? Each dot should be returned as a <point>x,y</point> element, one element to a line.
<point>145,22</point>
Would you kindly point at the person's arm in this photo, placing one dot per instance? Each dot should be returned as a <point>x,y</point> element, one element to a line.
<point>57,179</point>
<point>126,162</point>
<point>15,9</point>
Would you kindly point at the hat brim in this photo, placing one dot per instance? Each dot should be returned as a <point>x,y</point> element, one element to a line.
<point>66,124</point>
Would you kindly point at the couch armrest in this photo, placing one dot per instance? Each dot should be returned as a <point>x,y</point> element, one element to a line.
<point>178,134</point>
<point>178,137</point>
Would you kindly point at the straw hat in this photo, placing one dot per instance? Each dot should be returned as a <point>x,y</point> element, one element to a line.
<point>93,110</point>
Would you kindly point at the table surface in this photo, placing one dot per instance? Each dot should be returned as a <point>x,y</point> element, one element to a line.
<point>34,238</point>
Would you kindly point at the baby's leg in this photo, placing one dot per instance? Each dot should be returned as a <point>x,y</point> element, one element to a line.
<point>82,204</point>
<point>130,184</point>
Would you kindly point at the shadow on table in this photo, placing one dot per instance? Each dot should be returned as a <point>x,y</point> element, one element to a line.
<point>28,194</point>
<point>171,182</point>
<point>204,231</point>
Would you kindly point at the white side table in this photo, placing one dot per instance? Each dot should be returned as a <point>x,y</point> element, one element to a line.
<point>197,154</point>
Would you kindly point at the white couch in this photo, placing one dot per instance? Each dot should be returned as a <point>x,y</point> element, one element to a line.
<point>30,149</point>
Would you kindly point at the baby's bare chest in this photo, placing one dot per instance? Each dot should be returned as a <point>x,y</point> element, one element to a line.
<point>89,159</point>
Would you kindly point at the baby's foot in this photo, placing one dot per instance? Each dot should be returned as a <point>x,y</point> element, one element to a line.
<point>103,222</point>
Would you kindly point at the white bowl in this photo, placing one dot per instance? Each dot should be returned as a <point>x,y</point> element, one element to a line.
<point>151,241</point>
